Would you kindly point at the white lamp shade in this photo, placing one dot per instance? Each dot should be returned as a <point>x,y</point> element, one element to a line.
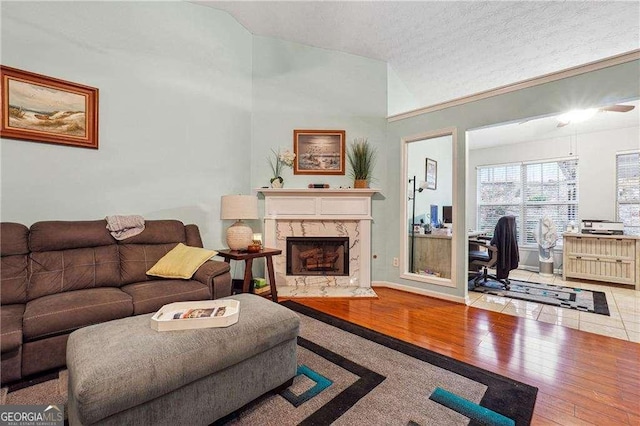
<point>234,207</point>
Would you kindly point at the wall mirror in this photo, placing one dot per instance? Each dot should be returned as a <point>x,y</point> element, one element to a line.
<point>427,207</point>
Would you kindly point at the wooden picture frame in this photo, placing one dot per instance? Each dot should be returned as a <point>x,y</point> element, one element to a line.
<point>431,173</point>
<point>45,109</point>
<point>319,152</point>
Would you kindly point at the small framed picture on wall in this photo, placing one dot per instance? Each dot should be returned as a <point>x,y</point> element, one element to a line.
<point>431,174</point>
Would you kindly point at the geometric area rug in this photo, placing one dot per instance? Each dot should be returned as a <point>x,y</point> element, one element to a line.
<point>377,379</point>
<point>561,296</point>
<point>351,375</point>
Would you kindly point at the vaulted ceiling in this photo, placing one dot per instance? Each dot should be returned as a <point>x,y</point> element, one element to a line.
<point>443,50</point>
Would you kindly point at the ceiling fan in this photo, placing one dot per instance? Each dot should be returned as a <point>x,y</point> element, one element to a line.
<point>579,115</point>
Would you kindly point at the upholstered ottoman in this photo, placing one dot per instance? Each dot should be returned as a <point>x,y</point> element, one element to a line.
<point>124,372</point>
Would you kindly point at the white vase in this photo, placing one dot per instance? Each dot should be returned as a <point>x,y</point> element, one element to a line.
<point>277,182</point>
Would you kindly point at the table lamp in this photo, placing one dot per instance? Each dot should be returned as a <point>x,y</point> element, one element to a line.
<point>239,207</point>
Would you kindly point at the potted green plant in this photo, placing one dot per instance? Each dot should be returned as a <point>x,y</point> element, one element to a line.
<point>362,157</point>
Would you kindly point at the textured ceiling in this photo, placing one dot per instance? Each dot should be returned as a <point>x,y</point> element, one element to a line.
<point>443,50</point>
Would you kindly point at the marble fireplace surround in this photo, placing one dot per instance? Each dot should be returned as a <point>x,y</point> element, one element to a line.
<point>320,213</point>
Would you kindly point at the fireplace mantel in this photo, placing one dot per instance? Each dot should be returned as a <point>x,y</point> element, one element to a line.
<point>318,191</point>
<point>321,212</point>
<point>318,204</point>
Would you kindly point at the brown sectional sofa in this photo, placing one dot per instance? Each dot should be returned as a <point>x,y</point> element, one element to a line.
<point>58,276</point>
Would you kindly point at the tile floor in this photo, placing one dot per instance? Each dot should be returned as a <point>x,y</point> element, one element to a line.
<point>623,301</point>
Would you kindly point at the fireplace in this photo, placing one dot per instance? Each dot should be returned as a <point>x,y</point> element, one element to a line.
<point>322,214</point>
<point>318,256</point>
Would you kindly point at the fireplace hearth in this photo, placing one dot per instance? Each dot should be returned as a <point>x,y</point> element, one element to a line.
<point>317,256</point>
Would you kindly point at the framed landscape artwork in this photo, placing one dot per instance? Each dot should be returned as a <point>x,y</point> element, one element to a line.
<point>319,152</point>
<point>45,109</point>
<point>431,174</point>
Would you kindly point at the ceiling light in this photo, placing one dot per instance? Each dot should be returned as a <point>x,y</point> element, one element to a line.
<point>577,115</point>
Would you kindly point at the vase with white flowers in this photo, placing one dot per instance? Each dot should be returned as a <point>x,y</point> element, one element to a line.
<point>278,161</point>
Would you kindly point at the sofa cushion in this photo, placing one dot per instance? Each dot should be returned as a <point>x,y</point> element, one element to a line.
<point>152,295</point>
<point>64,235</point>
<point>159,232</point>
<point>14,239</point>
<point>14,279</point>
<point>14,243</point>
<point>140,252</point>
<point>64,312</point>
<point>10,327</point>
<point>137,259</point>
<point>59,271</point>
<point>181,262</point>
<point>192,234</point>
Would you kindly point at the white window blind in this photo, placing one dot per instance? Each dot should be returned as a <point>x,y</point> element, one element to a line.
<point>499,194</point>
<point>628,191</point>
<point>551,189</point>
<point>529,191</point>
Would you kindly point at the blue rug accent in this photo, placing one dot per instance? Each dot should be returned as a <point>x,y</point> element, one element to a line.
<point>470,409</point>
<point>321,383</point>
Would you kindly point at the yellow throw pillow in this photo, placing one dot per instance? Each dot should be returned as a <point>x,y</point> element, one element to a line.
<point>181,262</point>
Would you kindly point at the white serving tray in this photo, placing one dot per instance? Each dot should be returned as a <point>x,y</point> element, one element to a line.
<point>163,319</point>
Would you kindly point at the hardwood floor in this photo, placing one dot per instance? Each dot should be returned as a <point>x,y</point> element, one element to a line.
<point>583,378</point>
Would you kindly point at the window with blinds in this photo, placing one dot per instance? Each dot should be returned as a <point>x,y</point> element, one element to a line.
<point>628,191</point>
<point>529,191</point>
<point>499,194</point>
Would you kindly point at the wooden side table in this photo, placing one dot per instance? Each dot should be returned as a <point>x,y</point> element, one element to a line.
<point>267,253</point>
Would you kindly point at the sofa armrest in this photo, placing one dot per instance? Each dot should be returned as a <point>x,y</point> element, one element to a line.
<point>216,276</point>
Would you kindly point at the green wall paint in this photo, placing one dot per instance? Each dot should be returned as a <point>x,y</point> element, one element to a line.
<point>175,111</point>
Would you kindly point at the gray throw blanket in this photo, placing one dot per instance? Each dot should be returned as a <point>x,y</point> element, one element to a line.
<point>122,227</point>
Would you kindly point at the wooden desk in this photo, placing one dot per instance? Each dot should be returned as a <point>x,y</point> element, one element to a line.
<point>267,253</point>
<point>433,252</point>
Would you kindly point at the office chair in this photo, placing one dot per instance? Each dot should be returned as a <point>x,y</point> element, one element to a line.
<point>500,252</point>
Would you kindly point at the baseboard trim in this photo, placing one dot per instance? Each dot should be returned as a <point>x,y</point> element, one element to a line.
<point>420,291</point>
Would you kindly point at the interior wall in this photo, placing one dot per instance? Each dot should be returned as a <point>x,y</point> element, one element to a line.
<point>399,98</point>
<point>302,87</point>
<point>174,112</point>
<point>601,87</point>
<point>596,154</point>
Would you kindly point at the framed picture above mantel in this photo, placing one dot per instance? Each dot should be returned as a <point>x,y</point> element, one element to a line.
<point>319,152</point>
<point>45,109</point>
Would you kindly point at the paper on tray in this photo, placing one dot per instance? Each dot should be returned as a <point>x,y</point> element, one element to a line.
<point>196,314</point>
